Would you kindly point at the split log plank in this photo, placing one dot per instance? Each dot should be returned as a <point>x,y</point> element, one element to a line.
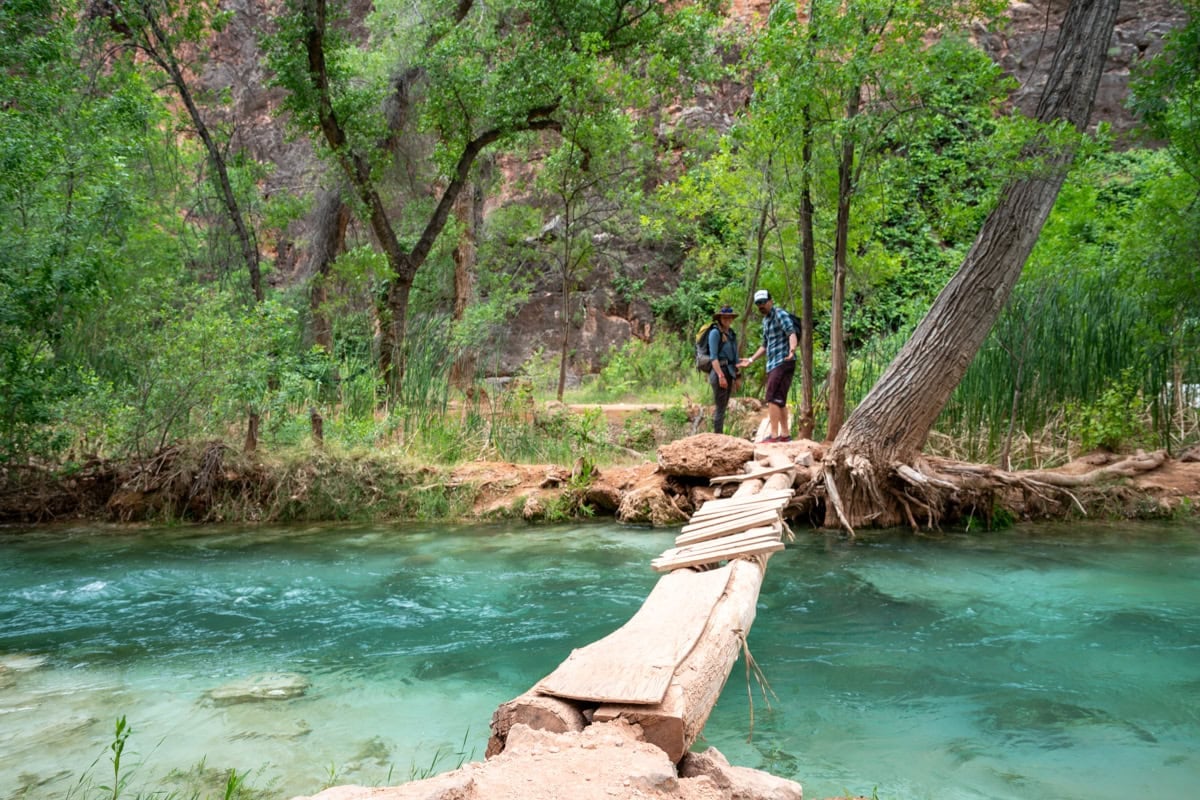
<point>709,515</point>
<point>676,722</point>
<point>751,476</point>
<point>634,664</point>
<point>742,499</point>
<point>774,529</point>
<point>732,514</point>
<point>727,527</point>
<point>727,543</point>
<point>766,545</point>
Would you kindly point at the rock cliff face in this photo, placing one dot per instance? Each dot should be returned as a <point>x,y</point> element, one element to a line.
<point>1025,48</point>
<point>600,316</point>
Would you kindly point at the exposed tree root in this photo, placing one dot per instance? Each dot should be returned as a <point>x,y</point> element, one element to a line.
<point>938,489</point>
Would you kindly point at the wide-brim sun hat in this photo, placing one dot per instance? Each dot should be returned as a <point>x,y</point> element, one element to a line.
<point>726,311</point>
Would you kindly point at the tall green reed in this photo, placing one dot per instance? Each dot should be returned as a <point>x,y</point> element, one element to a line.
<point>1048,370</point>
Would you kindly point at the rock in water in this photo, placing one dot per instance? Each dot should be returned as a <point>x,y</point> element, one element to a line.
<point>257,688</point>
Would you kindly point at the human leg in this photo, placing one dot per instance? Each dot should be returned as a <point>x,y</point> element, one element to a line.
<point>720,402</point>
<point>779,383</point>
<point>776,424</point>
<point>785,387</point>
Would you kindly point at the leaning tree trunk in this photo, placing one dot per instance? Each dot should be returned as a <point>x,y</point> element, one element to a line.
<point>892,423</point>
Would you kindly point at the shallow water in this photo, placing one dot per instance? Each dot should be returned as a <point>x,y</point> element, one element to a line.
<point>1043,664</point>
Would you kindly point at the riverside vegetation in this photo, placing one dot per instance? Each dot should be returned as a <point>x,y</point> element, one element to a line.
<point>143,322</point>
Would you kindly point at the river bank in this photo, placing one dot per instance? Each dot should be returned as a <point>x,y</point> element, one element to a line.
<point>213,483</point>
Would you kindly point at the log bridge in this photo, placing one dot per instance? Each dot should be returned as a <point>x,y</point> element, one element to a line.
<point>665,668</point>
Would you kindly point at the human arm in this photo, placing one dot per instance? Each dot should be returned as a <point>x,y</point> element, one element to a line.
<point>793,335</point>
<point>757,354</point>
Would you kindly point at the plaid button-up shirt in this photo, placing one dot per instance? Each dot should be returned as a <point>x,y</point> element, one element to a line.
<point>775,329</point>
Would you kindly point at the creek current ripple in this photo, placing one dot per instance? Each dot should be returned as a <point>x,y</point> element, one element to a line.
<point>1057,662</point>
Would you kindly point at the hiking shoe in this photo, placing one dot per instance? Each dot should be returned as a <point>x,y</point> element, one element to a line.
<point>768,440</point>
<point>783,439</point>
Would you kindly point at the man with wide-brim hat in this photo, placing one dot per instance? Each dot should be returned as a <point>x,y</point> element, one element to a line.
<point>723,350</point>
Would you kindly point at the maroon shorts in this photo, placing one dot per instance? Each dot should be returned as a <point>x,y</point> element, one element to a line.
<point>779,382</point>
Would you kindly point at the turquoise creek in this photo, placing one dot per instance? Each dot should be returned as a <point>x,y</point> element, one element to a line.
<point>1047,663</point>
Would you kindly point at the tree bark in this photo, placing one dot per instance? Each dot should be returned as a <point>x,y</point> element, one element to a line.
<point>808,254</point>
<point>894,420</point>
<point>808,266</point>
<point>566,325</point>
<point>329,238</point>
<point>469,211</point>
<point>841,255</point>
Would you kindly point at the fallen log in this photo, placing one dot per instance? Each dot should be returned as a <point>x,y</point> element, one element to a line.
<point>631,662</point>
<point>539,712</point>
<point>676,722</point>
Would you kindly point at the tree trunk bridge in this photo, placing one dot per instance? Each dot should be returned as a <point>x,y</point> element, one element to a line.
<point>665,668</point>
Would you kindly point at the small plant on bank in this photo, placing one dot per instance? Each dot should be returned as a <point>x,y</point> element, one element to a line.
<point>231,784</point>
<point>1112,421</point>
<point>571,502</point>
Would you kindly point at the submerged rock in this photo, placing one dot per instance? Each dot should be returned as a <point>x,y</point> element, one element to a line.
<point>21,662</point>
<point>257,688</point>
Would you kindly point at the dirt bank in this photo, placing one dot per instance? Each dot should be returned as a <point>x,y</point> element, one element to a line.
<point>212,483</point>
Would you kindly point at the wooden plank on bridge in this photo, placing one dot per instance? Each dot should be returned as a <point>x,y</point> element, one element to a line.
<point>766,545</point>
<point>751,475</point>
<point>705,516</point>
<point>714,550</point>
<point>676,722</point>
<point>634,664</point>
<point>742,499</point>
<point>725,527</point>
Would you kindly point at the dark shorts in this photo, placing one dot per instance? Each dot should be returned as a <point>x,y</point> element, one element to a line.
<point>779,382</point>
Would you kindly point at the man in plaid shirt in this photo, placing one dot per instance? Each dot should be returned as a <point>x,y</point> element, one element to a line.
<point>780,339</point>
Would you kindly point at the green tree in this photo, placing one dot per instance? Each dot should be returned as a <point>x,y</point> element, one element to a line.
<point>863,79</point>
<point>891,424</point>
<point>590,179</point>
<point>78,202</point>
<point>470,75</point>
<point>160,30</point>
<point>1166,94</point>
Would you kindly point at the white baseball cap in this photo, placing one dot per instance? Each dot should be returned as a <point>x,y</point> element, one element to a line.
<point>761,295</point>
